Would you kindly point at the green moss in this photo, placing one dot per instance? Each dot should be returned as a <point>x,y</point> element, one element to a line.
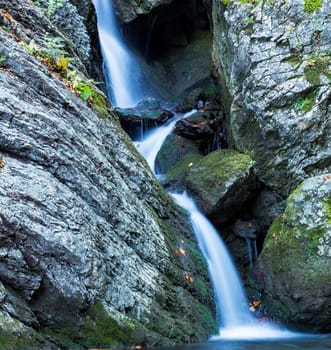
<point>207,319</point>
<point>101,330</point>
<point>212,174</point>
<point>11,340</point>
<point>327,208</point>
<point>312,5</point>
<point>179,171</point>
<point>316,67</point>
<point>99,103</point>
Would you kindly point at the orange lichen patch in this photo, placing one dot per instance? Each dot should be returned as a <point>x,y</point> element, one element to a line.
<point>6,15</point>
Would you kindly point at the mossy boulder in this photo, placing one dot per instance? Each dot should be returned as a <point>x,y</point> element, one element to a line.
<point>294,267</point>
<point>173,150</point>
<point>220,182</point>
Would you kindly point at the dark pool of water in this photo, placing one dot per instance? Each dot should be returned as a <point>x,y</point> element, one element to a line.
<point>316,343</point>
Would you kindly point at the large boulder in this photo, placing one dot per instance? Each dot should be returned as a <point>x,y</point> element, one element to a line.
<point>173,150</point>
<point>220,182</point>
<point>88,239</point>
<point>273,58</point>
<point>294,267</point>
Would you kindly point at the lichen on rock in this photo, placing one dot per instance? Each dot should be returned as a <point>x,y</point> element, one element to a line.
<point>273,59</point>
<point>296,257</point>
<point>219,182</point>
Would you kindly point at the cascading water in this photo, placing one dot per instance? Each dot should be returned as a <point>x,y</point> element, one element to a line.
<point>119,66</point>
<point>234,317</point>
<point>235,320</point>
<point>150,147</point>
<point>229,295</point>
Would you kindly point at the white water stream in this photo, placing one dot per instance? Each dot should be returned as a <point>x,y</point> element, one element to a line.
<point>119,66</point>
<point>236,321</point>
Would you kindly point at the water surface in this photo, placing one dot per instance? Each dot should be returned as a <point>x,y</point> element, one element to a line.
<point>305,343</point>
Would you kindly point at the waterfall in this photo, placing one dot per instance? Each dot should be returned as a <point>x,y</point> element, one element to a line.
<point>150,147</point>
<point>230,298</point>
<point>119,67</point>
<point>234,318</point>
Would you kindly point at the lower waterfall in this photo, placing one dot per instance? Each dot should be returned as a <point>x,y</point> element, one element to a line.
<point>233,316</point>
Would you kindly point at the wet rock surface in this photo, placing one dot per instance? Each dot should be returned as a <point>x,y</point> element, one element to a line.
<point>294,267</point>
<point>146,115</point>
<point>87,234</point>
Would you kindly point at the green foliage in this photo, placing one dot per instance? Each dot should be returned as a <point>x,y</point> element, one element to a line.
<point>304,104</point>
<point>54,45</point>
<point>32,47</point>
<point>2,60</point>
<point>317,66</point>
<point>49,6</point>
<point>250,20</point>
<point>312,5</point>
<point>62,63</point>
<point>87,92</point>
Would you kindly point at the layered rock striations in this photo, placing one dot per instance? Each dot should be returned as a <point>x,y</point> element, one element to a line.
<point>273,58</point>
<point>88,239</point>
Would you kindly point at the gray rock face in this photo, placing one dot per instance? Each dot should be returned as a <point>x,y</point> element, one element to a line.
<point>274,60</point>
<point>295,265</point>
<point>129,10</point>
<point>83,221</point>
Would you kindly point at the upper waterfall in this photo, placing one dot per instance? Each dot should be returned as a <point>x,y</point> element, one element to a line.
<point>119,67</point>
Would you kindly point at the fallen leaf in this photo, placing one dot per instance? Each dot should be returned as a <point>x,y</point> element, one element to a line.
<point>2,163</point>
<point>182,251</point>
<point>256,303</point>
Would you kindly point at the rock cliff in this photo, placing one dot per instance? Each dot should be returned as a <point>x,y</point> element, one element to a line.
<point>88,239</point>
<point>273,58</point>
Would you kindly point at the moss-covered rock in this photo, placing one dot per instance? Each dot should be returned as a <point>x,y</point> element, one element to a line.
<point>220,182</point>
<point>295,264</point>
<point>173,150</point>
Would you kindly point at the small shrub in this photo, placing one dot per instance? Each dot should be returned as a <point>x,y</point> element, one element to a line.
<point>312,5</point>
<point>62,63</point>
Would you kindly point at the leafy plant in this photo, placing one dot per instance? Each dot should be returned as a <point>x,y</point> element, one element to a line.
<point>250,20</point>
<point>32,47</point>
<point>62,63</point>
<point>2,60</point>
<point>55,45</point>
<point>312,5</point>
<point>305,104</point>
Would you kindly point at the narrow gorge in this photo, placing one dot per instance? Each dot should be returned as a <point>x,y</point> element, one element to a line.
<point>94,251</point>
